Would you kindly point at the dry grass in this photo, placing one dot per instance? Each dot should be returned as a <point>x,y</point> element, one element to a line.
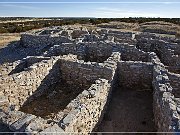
<point>159,27</point>
<point>119,25</point>
<point>7,38</point>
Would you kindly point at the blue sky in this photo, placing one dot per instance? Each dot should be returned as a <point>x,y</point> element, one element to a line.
<point>100,8</point>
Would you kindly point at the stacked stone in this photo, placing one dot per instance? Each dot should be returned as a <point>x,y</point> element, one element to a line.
<point>18,87</point>
<point>175,83</point>
<point>87,108</point>
<point>131,53</point>
<point>133,74</point>
<point>67,48</point>
<point>164,106</point>
<point>96,63</point>
<point>83,73</point>
<point>167,50</point>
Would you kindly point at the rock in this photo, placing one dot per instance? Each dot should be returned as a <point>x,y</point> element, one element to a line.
<point>68,119</point>
<point>20,124</point>
<point>55,129</point>
<point>3,101</point>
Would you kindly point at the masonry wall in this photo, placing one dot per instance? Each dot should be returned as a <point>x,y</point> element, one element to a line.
<point>92,102</point>
<point>41,41</point>
<point>164,105</point>
<point>81,114</point>
<point>84,112</point>
<point>99,52</point>
<point>175,83</point>
<point>135,74</point>
<point>25,63</point>
<point>18,87</point>
<point>84,117</point>
<point>83,73</point>
<point>166,50</point>
<point>66,48</point>
<point>131,53</point>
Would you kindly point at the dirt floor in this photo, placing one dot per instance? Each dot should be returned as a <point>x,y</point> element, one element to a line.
<point>129,111</point>
<point>49,104</point>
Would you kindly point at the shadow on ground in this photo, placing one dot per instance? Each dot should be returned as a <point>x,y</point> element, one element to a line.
<point>14,51</point>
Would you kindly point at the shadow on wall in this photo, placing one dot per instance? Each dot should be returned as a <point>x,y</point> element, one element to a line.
<point>52,96</point>
<point>14,51</point>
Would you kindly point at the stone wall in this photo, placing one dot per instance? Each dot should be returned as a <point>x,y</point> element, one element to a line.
<point>164,105</point>
<point>166,50</point>
<point>87,108</point>
<point>92,102</point>
<point>175,83</point>
<point>18,87</point>
<point>81,114</point>
<point>25,63</point>
<point>135,74</point>
<point>83,73</point>
<point>42,41</point>
<point>67,48</point>
<point>99,51</point>
<point>131,53</point>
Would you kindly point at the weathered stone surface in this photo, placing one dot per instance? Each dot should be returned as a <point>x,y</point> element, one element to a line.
<point>101,59</point>
<point>55,129</point>
<point>3,101</point>
<point>21,123</point>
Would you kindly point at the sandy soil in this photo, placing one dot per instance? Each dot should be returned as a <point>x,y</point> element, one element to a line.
<point>49,104</point>
<point>129,111</point>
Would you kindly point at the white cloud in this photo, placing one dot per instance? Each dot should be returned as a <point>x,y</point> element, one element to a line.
<point>117,13</point>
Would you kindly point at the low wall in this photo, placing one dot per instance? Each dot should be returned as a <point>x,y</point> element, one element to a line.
<point>66,48</point>
<point>131,53</point>
<point>175,83</point>
<point>26,62</point>
<point>83,73</point>
<point>164,106</point>
<point>166,51</point>
<point>82,114</point>
<point>18,87</point>
<point>87,108</point>
<point>99,52</point>
<point>135,74</point>
<point>6,68</point>
<point>42,41</point>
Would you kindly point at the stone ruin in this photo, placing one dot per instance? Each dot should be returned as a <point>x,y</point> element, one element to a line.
<point>85,81</point>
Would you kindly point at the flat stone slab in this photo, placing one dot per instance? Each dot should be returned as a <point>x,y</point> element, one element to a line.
<point>21,123</point>
<point>55,129</point>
